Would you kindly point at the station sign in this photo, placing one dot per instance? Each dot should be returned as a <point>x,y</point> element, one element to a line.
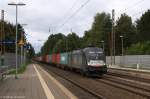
<point>21,42</point>
<point>7,42</point>
<point>26,46</point>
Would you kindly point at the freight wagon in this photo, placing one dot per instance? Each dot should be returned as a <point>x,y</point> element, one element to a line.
<point>88,61</point>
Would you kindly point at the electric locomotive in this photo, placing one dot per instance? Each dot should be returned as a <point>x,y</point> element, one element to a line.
<point>96,60</point>
<point>90,61</point>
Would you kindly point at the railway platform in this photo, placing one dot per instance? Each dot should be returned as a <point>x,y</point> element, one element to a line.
<point>34,83</point>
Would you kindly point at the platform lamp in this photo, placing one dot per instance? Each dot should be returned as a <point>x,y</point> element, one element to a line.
<point>22,50</point>
<point>103,45</point>
<point>16,5</point>
<point>122,43</point>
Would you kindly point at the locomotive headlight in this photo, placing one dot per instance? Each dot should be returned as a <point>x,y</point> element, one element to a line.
<point>96,63</point>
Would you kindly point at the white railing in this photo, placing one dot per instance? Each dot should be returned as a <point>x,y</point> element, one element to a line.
<point>131,61</point>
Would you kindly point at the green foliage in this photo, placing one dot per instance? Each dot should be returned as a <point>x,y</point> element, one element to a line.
<point>143,27</point>
<point>10,34</point>
<point>60,43</point>
<point>9,31</point>
<point>101,29</point>
<point>20,70</point>
<point>30,51</point>
<point>125,28</point>
<point>142,36</point>
<point>139,49</point>
<point>59,46</point>
<point>48,46</point>
<point>73,42</point>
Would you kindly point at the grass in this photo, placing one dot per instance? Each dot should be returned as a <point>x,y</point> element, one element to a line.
<point>21,69</point>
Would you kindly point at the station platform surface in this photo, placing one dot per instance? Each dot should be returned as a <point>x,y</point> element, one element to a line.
<point>34,83</point>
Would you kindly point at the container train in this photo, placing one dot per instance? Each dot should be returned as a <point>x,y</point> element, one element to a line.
<point>89,61</point>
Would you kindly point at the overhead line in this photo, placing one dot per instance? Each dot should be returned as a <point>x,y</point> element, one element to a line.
<point>133,15</point>
<point>135,4</point>
<point>131,6</point>
<point>73,5</point>
<point>83,5</point>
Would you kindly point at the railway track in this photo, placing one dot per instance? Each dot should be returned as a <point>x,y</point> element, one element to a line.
<point>128,74</point>
<point>108,82</point>
<point>132,82</point>
<point>97,95</point>
<point>128,82</point>
<point>132,86</point>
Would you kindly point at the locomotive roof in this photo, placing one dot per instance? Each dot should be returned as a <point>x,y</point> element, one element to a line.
<point>88,49</point>
<point>93,49</point>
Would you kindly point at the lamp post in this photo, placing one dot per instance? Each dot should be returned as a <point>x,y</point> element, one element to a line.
<point>122,43</point>
<point>16,4</point>
<point>103,45</point>
<point>24,54</point>
<point>22,49</point>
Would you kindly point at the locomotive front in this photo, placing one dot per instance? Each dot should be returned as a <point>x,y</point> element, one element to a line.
<point>96,60</point>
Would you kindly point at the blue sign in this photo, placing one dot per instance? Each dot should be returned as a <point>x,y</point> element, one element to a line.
<point>7,42</point>
<point>26,46</point>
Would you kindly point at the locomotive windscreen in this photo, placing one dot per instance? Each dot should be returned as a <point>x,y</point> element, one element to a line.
<point>95,56</point>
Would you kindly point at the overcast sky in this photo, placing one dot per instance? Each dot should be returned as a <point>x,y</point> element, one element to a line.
<point>44,15</point>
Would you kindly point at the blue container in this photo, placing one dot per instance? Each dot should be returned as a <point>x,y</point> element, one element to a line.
<point>64,58</point>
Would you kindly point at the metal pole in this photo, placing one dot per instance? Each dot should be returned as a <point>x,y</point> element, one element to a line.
<point>102,42</point>
<point>122,46</point>
<point>21,54</point>
<point>14,4</point>
<point>103,47</point>
<point>16,42</point>
<point>113,34</point>
<point>2,38</point>
<point>3,32</point>
<point>24,55</point>
<point>22,47</point>
<point>22,39</point>
<point>112,37</point>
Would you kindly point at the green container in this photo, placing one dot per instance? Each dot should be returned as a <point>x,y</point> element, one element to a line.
<point>64,58</point>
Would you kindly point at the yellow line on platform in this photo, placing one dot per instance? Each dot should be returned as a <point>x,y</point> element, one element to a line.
<point>64,89</point>
<point>47,91</point>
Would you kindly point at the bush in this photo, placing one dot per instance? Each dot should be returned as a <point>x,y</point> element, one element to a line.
<point>139,49</point>
<point>21,69</point>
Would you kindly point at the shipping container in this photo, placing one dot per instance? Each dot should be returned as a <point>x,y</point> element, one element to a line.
<point>58,58</point>
<point>64,58</point>
<point>39,58</point>
<point>50,58</point>
<point>44,58</point>
<point>77,59</point>
<point>47,59</point>
<point>70,59</point>
<point>54,58</point>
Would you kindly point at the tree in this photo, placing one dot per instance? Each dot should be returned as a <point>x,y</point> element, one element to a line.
<point>10,35</point>
<point>49,45</point>
<point>73,42</point>
<point>100,30</point>
<point>139,48</point>
<point>143,27</point>
<point>124,27</point>
<point>30,51</point>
